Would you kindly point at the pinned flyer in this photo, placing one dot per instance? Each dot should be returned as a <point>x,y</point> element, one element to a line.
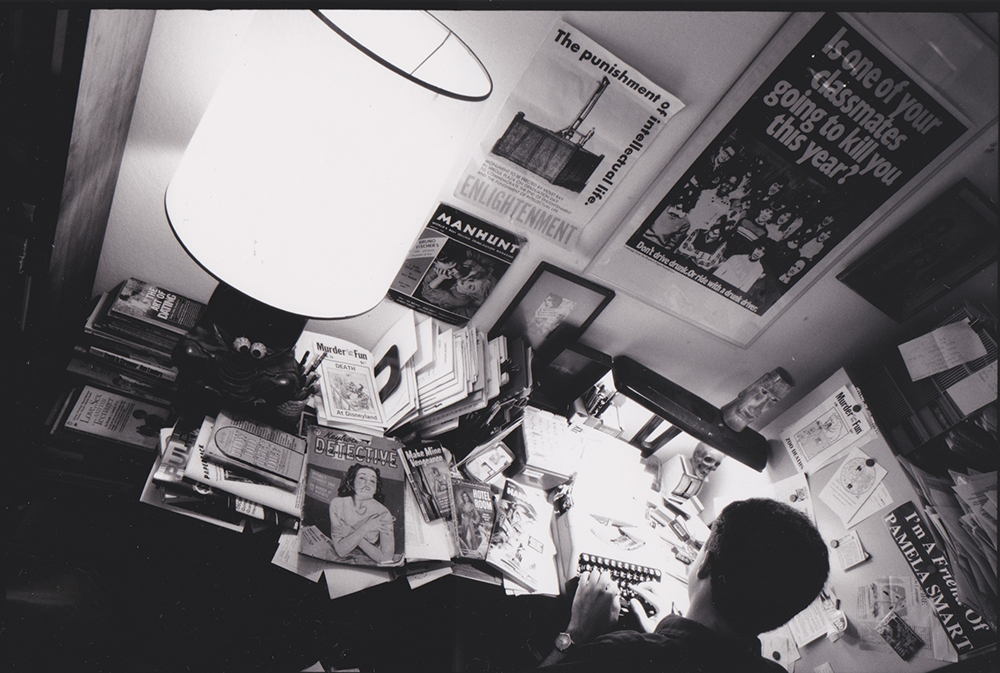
<point>848,550</point>
<point>853,482</point>
<point>819,437</point>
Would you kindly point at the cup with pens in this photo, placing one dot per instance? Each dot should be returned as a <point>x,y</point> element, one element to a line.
<point>309,377</point>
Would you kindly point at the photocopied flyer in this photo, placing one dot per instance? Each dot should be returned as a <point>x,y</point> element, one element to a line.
<point>853,482</point>
<point>820,435</point>
<point>575,124</point>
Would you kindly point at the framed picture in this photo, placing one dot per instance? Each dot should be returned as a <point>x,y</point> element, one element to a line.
<point>551,311</point>
<point>568,376</point>
<point>950,240</point>
<point>783,177</point>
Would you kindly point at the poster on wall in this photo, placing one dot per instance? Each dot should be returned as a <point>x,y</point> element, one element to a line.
<point>826,137</point>
<point>575,124</point>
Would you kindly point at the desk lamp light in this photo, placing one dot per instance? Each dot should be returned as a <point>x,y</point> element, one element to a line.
<point>308,178</point>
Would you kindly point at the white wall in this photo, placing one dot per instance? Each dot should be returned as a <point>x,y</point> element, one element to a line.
<point>695,55</point>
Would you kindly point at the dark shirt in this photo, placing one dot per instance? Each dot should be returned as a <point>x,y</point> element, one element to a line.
<point>678,645</point>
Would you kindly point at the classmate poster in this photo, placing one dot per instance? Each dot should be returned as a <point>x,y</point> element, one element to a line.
<point>834,131</point>
<point>577,121</point>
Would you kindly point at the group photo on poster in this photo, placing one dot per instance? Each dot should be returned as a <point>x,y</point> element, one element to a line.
<point>833,132</point>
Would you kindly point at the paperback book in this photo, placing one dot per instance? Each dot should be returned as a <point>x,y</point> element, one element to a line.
<point>473,517</point>
<point>155,306</point>
<point>353,509</point>
<point>101,414</point>
<point>427,472</point>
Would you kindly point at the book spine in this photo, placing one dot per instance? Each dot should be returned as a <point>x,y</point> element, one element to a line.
<point>146,368</point>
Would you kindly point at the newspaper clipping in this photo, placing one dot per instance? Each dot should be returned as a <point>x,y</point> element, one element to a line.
<point>832,133</point>
<point>575,124</point>
<point>454,266</point>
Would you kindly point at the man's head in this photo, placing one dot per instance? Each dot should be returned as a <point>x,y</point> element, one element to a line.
<point>757,253</point>
<point>766,562</point>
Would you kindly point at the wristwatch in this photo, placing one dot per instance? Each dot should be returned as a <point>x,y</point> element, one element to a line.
<point>563,641</point>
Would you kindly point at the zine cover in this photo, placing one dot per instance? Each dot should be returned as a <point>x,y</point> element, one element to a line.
<point>474,515</point>
<point>426,469</point>
<point>454,266</point>
<point>154,305</point>
<point>353,503</point>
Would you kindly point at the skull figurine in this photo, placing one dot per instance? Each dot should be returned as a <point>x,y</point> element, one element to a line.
<point>705,460</point>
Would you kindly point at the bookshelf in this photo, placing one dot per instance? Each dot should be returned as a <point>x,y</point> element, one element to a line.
<point>919,418</point>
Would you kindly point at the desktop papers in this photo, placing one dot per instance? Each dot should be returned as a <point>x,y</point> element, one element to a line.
<point>848,550</point>
<point>946,347</point>
<point>853,481</point>
<point>818,437</point>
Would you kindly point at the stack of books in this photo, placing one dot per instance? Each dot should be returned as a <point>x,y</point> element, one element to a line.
<point>129,337</point>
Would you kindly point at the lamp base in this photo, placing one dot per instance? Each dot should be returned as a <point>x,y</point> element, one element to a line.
<point>240,356</point>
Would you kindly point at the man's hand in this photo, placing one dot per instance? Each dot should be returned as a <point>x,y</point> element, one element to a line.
<point>595,606</point>
<point>648,592</point>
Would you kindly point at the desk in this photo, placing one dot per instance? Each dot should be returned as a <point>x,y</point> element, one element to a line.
<point>845,655</point>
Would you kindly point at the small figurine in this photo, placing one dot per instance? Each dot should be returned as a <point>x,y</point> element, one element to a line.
<point>705,460</point>
<point>240,355</point>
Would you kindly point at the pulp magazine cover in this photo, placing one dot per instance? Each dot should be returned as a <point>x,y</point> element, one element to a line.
<point>354,498</point>
<point>474,515</point>
<point>454,266</point>
<point>427,471</point>
<point>139,300</point>
<point>517,544</point>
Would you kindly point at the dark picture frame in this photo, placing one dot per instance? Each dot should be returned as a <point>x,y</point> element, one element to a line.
<point>944,244</point>
<point>551,311</point>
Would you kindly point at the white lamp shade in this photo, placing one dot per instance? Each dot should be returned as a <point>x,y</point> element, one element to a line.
<point>316,165</point>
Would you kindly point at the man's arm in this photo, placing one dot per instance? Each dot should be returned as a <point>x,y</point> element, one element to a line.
<point>596,605</point>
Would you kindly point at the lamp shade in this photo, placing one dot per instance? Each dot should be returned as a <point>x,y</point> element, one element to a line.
<point>322,153</point>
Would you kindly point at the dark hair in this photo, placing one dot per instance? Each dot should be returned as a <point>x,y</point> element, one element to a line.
<point>768,563</point>
<point>347,485</point>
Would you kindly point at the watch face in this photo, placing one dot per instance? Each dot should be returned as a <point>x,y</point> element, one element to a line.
<point>563,641</point>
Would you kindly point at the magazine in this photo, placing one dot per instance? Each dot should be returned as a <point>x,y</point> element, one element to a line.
<point>270,454</point>
<point>474,514</point>
<point>161,308</point>
<point>354,498</point>
<point>427,471</point>
<point>454,266</point>
<point>518,545</point>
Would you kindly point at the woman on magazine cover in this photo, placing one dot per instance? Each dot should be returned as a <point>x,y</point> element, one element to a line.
<point>359,522</point>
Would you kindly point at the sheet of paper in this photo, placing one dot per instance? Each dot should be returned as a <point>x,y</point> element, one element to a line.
<point>779,646</point>
<point>420,579</point>
<point>810,624</point>
<point>342,580</point>
<point>976,391</point>
<point>821,435</point>
<point>287,556</point>
<point>876,502</point>
<point>794,491</point>
<point>946,347</point>
<point>848,550</point>
<point>825,667</point>
<point>853,481</point>
<point>425,541</point>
